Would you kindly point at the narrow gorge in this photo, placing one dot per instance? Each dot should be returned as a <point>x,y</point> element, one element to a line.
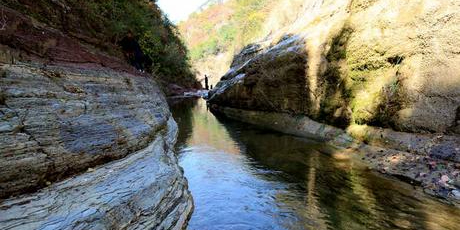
<point>230,114</point>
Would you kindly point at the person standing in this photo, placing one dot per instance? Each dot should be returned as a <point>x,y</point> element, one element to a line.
<point>132,51</point>
<point>206,82</point>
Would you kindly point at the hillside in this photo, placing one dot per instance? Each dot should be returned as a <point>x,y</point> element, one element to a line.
<point>216,33</point>
<point>100,25</point>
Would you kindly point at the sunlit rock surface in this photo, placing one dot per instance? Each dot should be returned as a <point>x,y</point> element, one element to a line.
<point>379,63</point>
<point>385,72</point>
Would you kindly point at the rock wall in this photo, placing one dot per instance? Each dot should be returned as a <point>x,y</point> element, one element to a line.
<point>86,141</point>
<point>379,63</point>
<point>385,72</point>
<point>145,190</point>
<point>58,121</point>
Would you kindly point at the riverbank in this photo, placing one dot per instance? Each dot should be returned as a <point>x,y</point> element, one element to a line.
<point>384,151</point>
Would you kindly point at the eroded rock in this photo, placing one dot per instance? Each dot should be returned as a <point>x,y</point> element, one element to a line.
<point>49,133</point>
<point>342,62</point>
<point>145,190</point>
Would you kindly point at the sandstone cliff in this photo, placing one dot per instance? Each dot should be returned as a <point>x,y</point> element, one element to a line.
<point>386,72</point>
<point>86,141</point>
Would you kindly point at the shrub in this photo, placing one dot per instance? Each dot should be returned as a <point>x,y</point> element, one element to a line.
<point>109,20</point>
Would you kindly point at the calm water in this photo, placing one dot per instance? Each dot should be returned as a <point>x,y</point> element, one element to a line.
<point>242,177</point>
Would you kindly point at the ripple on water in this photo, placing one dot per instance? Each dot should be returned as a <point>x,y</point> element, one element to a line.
<point>242,177</point>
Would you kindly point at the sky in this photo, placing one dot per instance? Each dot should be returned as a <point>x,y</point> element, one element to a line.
<point>179,10</point>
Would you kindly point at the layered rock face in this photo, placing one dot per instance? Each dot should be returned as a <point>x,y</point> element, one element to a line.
<point>59,121</point>
<point>145,190</point>
<point>381,63</point>
<point>86,141</point>
<point>386,72</point>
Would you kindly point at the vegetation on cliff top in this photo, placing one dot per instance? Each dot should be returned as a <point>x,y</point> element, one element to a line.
<point>224,27</point>
<point>103,23</point>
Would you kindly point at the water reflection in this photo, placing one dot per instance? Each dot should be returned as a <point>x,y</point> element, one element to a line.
<point>242,177</point>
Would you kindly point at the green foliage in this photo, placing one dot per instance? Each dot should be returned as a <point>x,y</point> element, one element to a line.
<point>241,28</point>
<point>227,34</point>
<point>249,17</point>
<point>205,48</point>
<point>157,36</point>
<point>107,21</point>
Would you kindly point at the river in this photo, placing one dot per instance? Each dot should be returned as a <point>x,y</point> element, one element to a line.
<point>242,177</point>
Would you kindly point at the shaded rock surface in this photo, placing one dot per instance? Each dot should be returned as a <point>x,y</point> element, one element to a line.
<point>145,190</point>
<point>86,140</point>
<point>58,121</point>
<point>25,39</point>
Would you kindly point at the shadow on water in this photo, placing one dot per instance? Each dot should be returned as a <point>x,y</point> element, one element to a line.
<point>182,112</point>
<point>243,177</point>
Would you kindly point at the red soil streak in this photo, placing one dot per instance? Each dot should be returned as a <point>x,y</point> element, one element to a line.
<point>39,43</point>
